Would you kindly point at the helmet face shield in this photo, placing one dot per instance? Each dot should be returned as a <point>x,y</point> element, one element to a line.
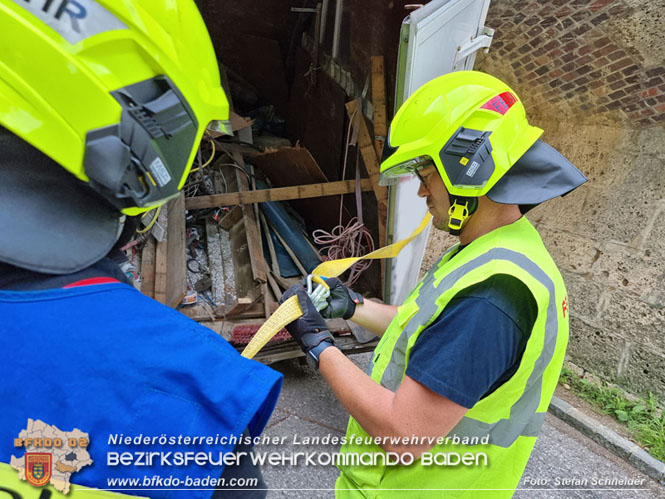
<point>410,167</point>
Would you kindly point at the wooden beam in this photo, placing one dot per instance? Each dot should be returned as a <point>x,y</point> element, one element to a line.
<point>215,262</point>
<point>277,194</point>
<point>368,152</point>
<point>148,268</point>
<point>379,103</point>
<point>273,285</point>
<point>230,219</point>
<point>161,267</point>
<point>176,259</point>
<point>271,247</point>
<point>251,225</point>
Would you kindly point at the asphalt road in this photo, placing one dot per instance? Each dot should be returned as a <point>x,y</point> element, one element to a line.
<point>564,463</point>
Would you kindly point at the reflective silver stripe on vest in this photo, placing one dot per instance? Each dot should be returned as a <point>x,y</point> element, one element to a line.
<point>523,417</point>
<point>427,281</point>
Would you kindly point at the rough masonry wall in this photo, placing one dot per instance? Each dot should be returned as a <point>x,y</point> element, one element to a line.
<point>591,73</point>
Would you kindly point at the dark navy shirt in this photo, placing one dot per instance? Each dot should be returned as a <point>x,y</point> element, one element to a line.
<point>477,342</point>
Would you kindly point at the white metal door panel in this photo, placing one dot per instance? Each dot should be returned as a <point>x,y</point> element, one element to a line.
<point>432,37</point>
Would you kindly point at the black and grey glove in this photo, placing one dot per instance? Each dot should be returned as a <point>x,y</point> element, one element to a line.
<point>309,330</point>
<point>342,300</point>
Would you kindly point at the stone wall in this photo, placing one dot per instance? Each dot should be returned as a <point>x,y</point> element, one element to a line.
<point>591,75</point>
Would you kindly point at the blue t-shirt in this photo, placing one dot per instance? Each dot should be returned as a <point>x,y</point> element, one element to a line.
<point>477,342</point>
<point>114,363</point>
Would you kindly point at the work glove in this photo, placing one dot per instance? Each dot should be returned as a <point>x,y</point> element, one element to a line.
<point>342,300</point>
<point>310,329</point>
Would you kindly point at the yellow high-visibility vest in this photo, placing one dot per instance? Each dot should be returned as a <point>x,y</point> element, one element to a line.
<point>510,418</point>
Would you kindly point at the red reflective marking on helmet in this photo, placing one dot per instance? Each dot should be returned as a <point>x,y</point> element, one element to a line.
<point>500,103</point>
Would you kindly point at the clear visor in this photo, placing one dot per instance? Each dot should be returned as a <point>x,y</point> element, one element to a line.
<point>393,173</point>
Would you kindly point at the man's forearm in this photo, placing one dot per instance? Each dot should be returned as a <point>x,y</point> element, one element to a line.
<point>374,316</point>
<point>367,401</point>
<point>372,405</point>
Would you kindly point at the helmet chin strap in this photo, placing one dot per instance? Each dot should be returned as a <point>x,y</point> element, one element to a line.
<point>461,208</point>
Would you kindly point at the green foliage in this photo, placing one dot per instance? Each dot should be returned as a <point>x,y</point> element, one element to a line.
<point>643,418</point>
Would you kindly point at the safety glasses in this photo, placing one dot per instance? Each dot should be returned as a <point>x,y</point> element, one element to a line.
<point>405,168</point>
<point>422,174</point>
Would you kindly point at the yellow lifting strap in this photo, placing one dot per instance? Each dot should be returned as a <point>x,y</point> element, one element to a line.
<point>290,309</point>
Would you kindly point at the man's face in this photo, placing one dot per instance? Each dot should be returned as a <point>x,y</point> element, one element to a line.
<point>435,193</point>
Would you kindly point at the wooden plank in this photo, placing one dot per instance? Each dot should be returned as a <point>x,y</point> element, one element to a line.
<point>230,291</point>
<point>239,277</point>
<point>289,251</point>
<point>200,312</point>
<point>269,302</point>
<point>255,310</point>
<point>243,304</point>
<point>239,122</point>
<point>368,153</point>
<point>230,219</point>
<point>372,165</point>
<point>251,225</point>
<point>176,258</point>
<point>273,285</point>
<point>285,282</point>
<point>379,103</point>
<point>257,218</point>
<point>161,267</point>
<point>245,308</point>
<point>148,268</point>
<point>290,166</point>
<point>271,246</point>
<point>277,194</point>
<point>242,268</point>
<point>215,264</point>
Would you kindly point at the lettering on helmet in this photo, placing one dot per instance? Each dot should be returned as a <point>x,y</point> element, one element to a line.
<point>500,103</point>
<point>74,20</point>
<point>473,168</point>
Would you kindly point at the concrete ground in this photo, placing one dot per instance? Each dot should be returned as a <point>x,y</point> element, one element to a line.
<point>307,408</point>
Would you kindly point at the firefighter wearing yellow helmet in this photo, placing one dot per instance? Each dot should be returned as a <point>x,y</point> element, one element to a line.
<point>103,105</point>
<point>458,386</point>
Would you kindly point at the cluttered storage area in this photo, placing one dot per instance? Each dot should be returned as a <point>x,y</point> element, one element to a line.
<point>312,86</point>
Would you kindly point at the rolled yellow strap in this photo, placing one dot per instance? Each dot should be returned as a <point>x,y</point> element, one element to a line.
<point>290,309</point>
<point>285,314</point>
